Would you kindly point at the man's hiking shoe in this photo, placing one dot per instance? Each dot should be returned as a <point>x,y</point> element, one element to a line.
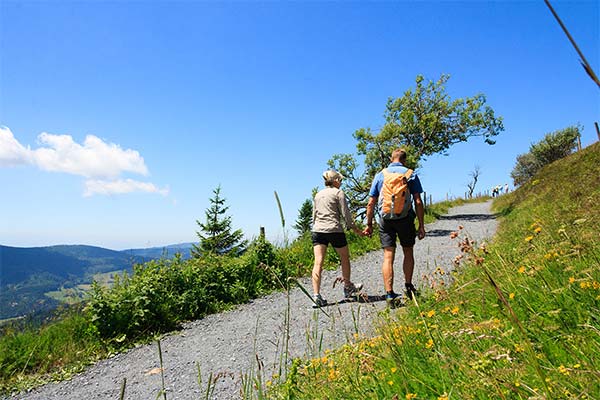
<point>411,290</point>
<point>352,290</point>
<point>393,299</point>
<point>319,301</point>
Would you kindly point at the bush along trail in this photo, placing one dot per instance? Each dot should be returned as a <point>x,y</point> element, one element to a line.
<point>238,353</point>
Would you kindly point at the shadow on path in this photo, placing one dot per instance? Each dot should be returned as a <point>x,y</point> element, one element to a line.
<point>469,217</point>
<point>439,232</point>
<point>361,299</point>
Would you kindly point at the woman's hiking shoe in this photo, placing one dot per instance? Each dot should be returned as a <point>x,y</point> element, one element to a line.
<point>393,299</point>
<point>319,301</point>
<point>352,290</point>
<point>411,290</point>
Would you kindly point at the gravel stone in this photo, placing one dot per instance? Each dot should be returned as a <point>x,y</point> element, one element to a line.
<point>229,345</point>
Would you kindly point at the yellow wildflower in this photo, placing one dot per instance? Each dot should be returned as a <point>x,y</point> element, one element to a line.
<point>411,396</point>
<point>529,239</point>
<point>268,383</point>
<point>571,279</point>
<point>537,230</point>
<point>429,344</point>
<point>577,366</point>
<point>394,369</point>
<point>390,383</point>
<point>430,313</point>
<point>517,384</point>
<point>521,269</point>
<point>563,370</point>
<point>443,397</point>
<point>511,296</point>
<point>454,310</point>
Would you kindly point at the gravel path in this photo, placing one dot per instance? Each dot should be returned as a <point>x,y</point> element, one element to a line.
<point>230,343</point>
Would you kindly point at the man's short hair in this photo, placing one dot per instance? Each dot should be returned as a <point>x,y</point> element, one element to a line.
<point>399,154</point>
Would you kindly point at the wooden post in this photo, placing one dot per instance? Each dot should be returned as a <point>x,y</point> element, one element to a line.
<point>597,130</point>
<point>425,199</point>
<point>430,202</point>
<point>579,143</point>
<point>262,232</point>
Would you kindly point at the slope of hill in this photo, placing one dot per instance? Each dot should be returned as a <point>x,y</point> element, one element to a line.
<point>26,274</point>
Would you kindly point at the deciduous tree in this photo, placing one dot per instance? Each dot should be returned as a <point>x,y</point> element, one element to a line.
<point>424,121</point>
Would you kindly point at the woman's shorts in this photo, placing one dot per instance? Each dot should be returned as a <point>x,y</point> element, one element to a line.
<point>403,229</point>
<point>337,239</point>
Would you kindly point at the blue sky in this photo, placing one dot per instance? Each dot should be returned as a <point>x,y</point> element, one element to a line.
<point>120,118</point>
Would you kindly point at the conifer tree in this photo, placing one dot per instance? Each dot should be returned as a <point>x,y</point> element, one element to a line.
<point>304,220</point>
<point>216,235</point>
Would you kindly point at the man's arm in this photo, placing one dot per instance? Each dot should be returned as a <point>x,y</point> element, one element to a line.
<point>370,212</point>
<point>420,215</point>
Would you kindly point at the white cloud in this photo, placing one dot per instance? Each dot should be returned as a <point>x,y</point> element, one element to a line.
<point>121,186</point>
<point>95,159</point>
<point>12,152</point>
<point>101,162</point>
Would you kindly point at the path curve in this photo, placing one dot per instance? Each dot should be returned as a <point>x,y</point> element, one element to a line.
<point>230,343</point>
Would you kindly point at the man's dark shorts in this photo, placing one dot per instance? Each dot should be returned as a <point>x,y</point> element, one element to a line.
<point>403,229</point>
<point>337,239</point>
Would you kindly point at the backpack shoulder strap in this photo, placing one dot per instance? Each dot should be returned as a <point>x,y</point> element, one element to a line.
<point>408,174</point>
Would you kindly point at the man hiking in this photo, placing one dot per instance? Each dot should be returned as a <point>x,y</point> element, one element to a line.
<point>392,190</point>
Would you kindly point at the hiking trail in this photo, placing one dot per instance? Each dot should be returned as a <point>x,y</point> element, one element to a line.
<point>229,344</point>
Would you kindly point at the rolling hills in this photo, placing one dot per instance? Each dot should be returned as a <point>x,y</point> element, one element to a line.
<point>27,274</point>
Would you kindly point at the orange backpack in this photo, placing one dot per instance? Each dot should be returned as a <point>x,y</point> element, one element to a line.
<point>395,196</point>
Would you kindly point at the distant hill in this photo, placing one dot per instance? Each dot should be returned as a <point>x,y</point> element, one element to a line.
<point>163,252</point>
<point>26,274</point>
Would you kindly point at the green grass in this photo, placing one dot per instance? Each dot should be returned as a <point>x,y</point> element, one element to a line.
<point>521,321</point>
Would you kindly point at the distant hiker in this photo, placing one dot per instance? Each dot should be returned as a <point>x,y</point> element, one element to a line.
<point>495,191</point>
<point>506,188</point>
<point>329,208</point>
<point>399,223</point>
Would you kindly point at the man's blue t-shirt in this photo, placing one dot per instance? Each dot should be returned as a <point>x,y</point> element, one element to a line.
<point>414,184</point>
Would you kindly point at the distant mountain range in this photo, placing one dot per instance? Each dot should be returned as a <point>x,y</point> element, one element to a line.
<point>26,274</point>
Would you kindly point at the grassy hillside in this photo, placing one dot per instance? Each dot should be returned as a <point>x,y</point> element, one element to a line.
<point>521,321</point>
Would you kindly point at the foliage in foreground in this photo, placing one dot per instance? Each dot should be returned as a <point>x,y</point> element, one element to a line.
<point>521,321</point>
<point>156,298</point>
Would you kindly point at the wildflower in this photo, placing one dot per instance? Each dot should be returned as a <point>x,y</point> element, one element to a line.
<point>577,366</point>
<point>511,296</point>
<point>521,269</point>
<point>454,311</point>
<point>585,285</point>
<point>394,369</point>
<point>411,396</point>
<point>430,313</point>
<point>529,239</point>
<point>390,383</point>
<point>537,230</point>
<point>332,374</point>
<point>443,397</point>
<point>571,279</point>
<point>429,344</point>
<point>268,383</point>
<point>563,370</point>
<point>517,384</point>
<point>519,348</point>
